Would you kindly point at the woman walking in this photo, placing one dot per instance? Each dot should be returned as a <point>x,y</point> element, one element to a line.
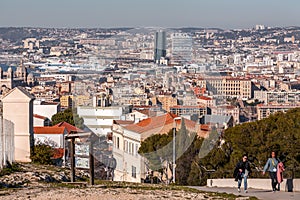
<point>271,167</point>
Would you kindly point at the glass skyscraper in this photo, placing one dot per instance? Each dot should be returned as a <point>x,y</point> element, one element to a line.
<point>160,45</point>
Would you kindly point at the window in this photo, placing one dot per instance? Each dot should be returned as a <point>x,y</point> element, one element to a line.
<point>136,149</point>
<point>129,147</point>
<point>132,148</point>
<point>126,147</point>
<point>133,169</point>
<point>118,142</point>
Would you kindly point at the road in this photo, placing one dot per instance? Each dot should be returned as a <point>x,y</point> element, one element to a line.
<point>260,194</point>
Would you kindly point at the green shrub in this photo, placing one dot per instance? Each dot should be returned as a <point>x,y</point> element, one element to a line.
<point>42,154</point>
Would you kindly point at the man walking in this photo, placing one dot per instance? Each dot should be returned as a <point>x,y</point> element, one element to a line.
<point>243,170</point>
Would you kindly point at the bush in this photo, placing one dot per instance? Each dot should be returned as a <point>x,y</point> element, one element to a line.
<point>42,154</point>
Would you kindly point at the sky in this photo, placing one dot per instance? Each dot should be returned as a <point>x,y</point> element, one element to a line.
<point>226,14</point>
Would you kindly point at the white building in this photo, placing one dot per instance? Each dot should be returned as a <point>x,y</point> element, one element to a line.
<point>100,119</point>
<point>130,165</point>
<point>46,109</point>
<point>127,139</point>
<point>182,47</point>
<point>136,116</point>
<point>51,135</point>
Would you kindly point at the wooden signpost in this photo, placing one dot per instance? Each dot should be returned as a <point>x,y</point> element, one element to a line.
<point>72,138</point>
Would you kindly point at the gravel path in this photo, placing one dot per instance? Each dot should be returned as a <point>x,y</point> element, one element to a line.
<point>97,193</point>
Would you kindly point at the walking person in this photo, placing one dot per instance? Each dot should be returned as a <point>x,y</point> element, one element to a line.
<point>271,167</point>
<point>242,171</point>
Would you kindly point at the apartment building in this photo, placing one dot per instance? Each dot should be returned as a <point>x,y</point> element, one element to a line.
<point>188,110</point>
<point>264,111</point>
<point>278,97</point>
<point>240,88</point>
<point>167,101</point>
<point>227,111</point>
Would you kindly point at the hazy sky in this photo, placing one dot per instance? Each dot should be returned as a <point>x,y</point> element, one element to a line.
<point>149,13</point>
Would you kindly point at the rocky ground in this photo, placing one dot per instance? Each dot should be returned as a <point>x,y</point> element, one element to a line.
<point>47,182</point>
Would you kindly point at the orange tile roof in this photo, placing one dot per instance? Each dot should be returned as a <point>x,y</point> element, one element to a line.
<point>152,123</point>
<point>48,130</point>
<point>70,128</point>
<point>159,121</point>
<point>204,98</point>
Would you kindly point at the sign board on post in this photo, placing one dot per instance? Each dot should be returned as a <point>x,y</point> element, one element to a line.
<point>82,163</point>
<point>82,149</point>
<point>82,156</point>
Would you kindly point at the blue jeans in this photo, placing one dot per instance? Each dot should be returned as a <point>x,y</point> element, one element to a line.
<point>245,181</point>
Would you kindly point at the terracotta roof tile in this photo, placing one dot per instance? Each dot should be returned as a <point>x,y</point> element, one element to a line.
<point>48,130</point>
<point>70,128</point>
<point>152,123</point>
<point>160,121</point>
<point>205,98</point>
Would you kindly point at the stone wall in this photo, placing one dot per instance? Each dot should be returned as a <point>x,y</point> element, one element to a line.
<point>264,184</point>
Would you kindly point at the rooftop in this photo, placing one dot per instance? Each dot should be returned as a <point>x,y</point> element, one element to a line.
<point>49,130</point>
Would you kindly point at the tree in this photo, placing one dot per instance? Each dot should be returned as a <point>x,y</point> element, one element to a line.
<point>280,132</point>
<point>158,149</point>
<point>70,116</point>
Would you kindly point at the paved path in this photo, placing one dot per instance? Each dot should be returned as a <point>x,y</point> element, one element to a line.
<point>260,194</point>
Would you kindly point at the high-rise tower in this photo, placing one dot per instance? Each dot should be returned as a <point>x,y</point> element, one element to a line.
<point>182,47</point>
<point>160,45</point>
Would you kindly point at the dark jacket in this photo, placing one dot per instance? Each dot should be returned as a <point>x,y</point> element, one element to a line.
<point>243,166</point>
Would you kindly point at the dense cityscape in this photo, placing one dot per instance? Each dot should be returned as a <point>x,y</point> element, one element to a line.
<point>127,84</point>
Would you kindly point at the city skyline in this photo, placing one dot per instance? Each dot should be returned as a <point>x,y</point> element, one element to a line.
<point>231,14</point>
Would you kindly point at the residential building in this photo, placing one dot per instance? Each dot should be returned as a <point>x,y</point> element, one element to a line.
<point>189,110</point>
<point>206,101</point>
<point>240,88</point>
<point>278,97</point>
<point>264,111</point>
<point>47,109</point>
<point>227,111</point>
<point>167,101</point>
<point>66,101</point>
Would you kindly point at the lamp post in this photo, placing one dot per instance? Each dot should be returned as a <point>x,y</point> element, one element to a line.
<point>174,150</point>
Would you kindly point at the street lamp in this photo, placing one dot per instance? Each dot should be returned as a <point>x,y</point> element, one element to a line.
<point>174,153</point>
